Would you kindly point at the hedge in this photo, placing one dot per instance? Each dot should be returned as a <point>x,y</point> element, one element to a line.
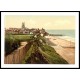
<point>11,44</point>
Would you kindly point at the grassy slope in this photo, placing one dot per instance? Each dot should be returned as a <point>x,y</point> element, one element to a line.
<point>48,53</point>
<point>52,56</point>
<point>28,54</point>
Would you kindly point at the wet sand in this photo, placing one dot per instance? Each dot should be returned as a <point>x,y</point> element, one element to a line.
<point>63,47</point>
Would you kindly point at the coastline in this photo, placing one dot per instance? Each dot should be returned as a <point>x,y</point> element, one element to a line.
<point>68,38</point>
<point>64,47</point>
<point>63,41</point>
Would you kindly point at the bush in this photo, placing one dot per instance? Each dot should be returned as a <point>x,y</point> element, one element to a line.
<point>11,44</point>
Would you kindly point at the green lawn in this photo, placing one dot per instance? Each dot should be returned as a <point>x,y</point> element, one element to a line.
<point>22,37</point>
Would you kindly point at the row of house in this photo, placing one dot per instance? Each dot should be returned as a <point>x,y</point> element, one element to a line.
<point>24,30</point>
<point>16,31</point>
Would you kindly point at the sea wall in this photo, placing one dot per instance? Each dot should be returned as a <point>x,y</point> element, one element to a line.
<point>16,56</point>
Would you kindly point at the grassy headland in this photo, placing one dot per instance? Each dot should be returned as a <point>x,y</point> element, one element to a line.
<point>41,53</point>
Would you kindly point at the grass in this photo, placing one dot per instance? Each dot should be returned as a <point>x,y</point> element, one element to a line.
<point>33,57</point>
<point>28,54</point>
<point>48,53</point>
<point>52,56</point>
<point>45,53</point>
<point>22,37</point>
<point>12,42</point>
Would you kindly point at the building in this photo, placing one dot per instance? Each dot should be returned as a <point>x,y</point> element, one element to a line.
<point>24,30</point>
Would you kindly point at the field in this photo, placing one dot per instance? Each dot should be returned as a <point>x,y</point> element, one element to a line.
<point>21,37</point>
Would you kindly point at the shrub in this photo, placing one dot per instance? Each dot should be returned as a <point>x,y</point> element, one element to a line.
<point>11,44</point>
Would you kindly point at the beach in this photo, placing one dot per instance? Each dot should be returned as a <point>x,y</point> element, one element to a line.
<point>65,47</point>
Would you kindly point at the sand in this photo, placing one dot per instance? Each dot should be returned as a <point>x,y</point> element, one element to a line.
<point>64,48</point>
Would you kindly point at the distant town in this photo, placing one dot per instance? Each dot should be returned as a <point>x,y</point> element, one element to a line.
<point>25,30</point>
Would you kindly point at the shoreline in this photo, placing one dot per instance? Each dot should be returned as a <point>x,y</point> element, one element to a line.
<point>68,38</point>
<point>64,42</point>
<point>63,47</point>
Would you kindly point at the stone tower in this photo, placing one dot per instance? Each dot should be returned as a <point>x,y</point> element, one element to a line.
<point>23,25</point>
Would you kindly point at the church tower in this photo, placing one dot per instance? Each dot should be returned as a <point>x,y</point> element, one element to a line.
<point>23,25</point>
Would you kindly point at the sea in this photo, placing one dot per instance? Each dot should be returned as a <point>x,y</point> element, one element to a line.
<point>66,34</point>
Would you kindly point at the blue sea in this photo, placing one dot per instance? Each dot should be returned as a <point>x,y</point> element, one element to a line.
<point>70,33</point>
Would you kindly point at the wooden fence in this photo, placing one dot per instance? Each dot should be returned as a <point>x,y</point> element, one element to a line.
<point>17,56</point>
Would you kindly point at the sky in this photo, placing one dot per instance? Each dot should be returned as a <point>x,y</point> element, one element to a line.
<point>40,21</point>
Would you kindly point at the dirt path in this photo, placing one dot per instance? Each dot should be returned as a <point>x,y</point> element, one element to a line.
<point>23,43</point>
